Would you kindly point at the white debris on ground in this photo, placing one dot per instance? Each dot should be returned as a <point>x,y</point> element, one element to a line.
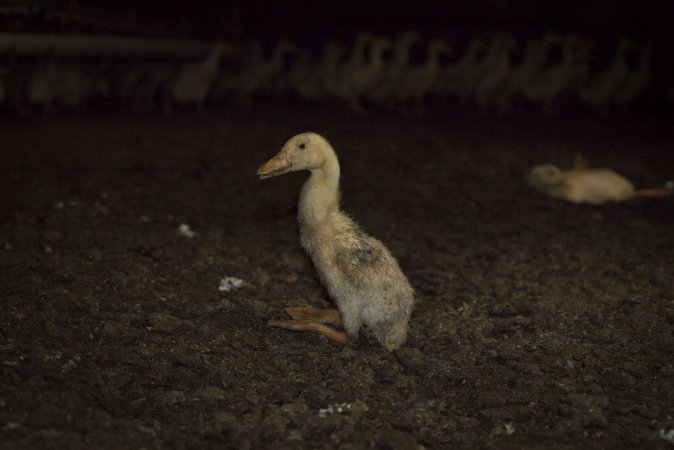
<point>229,284</point>
<point>509,428</point>
<point>186,231</point>
<point>344,408</point>
<point>60,205</point>
<point>666,433</point>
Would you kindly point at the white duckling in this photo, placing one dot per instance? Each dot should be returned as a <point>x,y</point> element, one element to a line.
<point>457,79</point>
<point>535,56</point>
<point>332,54</point>
<point>552,82</point>
<point>635,82</point>
<point>195,79</point>
<point>143,84</point>
<point>583,185</point>
<point>357,76</point>
<point>258,73</point>
<point>301,77</point>
<point>496,68</point>
<point>357,58</point>
<point>481,70</point>
<point>599,92</point>
<point>41,88</point>
<point>358,271</point>
<point>381,91</point>
<point>75,86</point>
<point>415,82</point>
<point>307,78</point>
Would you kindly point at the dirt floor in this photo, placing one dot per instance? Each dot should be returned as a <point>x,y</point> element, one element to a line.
<point>539,324</point>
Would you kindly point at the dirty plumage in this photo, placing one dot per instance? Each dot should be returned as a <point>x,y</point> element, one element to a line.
<point>358,271</point>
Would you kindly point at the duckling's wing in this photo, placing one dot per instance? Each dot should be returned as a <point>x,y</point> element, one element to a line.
<point>359,250</point>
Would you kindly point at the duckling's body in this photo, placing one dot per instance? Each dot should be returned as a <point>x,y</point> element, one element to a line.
<point>194,81</point>
<point>582,185</point>
<point>358,271</point>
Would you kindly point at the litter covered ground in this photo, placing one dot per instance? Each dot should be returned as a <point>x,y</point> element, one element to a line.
<point>539,323</point>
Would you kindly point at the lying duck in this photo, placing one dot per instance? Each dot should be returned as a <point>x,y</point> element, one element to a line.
<point>358,271</point>
<point>583,185</point>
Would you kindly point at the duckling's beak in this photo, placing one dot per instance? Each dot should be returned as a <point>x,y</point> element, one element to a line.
<point>278,165</point>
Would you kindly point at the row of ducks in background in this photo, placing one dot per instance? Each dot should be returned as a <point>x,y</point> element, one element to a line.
<point>375,72</point>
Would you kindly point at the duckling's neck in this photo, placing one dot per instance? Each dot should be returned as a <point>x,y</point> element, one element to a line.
<point>320,193</point>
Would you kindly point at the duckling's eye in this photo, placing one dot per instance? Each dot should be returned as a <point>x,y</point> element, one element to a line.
<point>302,146</point>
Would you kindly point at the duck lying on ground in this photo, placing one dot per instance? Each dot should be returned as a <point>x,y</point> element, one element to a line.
<point>583,185</point>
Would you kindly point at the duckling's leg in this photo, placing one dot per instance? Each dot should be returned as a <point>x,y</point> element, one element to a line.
<point>580,162</point>
<point>315,327</point>
<point>308,318</point>
<point>654,193</point>
<point>321,315</point>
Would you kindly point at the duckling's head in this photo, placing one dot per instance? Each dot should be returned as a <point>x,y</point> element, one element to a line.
<point>545,176</point>
<point>305,151</point>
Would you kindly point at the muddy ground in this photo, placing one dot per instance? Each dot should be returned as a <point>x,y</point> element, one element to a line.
<point>538,323</point>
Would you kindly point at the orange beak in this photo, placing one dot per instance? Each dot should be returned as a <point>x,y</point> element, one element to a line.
<point>278,165</point>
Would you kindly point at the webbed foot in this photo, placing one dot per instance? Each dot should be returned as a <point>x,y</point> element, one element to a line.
<point>308,318</point>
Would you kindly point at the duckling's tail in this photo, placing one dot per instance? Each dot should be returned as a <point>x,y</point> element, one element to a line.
<point>395,336</point>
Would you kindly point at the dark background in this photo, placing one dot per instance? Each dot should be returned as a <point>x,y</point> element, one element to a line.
<point>644,21</point>
<point>311,24</point>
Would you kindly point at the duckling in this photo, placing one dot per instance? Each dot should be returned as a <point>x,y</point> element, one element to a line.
<point>41,88</point>
<point>457,79</point>
<point>357,76</point>
<point>305,77</point>
<point>636,81</point>
<point>257,73</point>
<point>534,59</point>
<point>195,79</point>
<point>583,185</point>
<point>355,59</point>
<point>300,78</point>
<point>599,92</point>
<point>552,82</point>
<point>415,82</point>
<point>142,85</point>
<point>496,68</point>
<point>77,85</point>
<point>381,92</point>
<point>358,271</point>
